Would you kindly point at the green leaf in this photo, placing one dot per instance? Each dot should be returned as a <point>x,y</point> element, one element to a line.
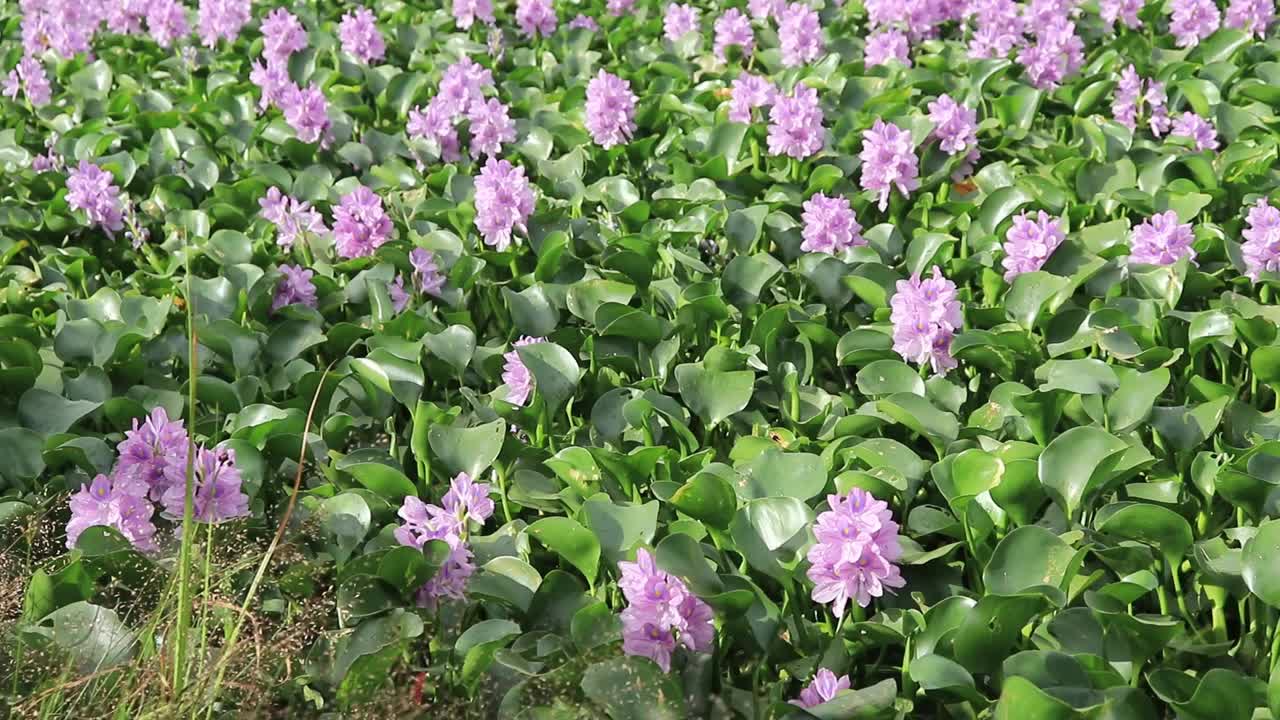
<point>1029,559</point>
<point>47,413</point>
<point>631,688</point>
<point>471,450</point>
<point>1258,563</point>
<point>620,528</point>
<point>568,539</point>
<point>774,473</point>
<point>1077,461</point>
<point>712,394</point>
<point>555,373</point>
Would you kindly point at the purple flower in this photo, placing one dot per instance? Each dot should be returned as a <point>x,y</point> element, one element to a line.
<point>1161,240</point>
<point>1252,16</point>
<point>643,637</point>
<point>954,125</point>
<point>888,160</point>
<point>30,78</point>
<point>491,126</point>
<point>925,315</point>
<point>462,85</point>
<point>763,9</point>
<point>273,80</point>
<point>1128,97</point>
<point>49,161</point>
<point>1158,117</point>
<point>124,16</point>
<point>93,190</point>
<point>468,500</point>
<point>584,22</point>
<point>112,504</point>
<point>1030,242</point>
<point>824,687</point>
<point>293,218</point>
<point>884,46</point>
<point>679,20</point>
<point>426,273</point>
<point>360,225</point>
<point>535,17</point>
<point>359,34</point>
<point>1261,240</point>
<point>222,19</point>
<point>307,112</point>
<point>660,608</point>
<point>998,27</point>
<point>399,296</point>
<point>466,12</point>
<point>515,375</point>
<point>217,495</point>
<point>1057,53</point>
<point>436,123</point>
<point>504,201</point>
<point>295,288</point>
<point>799,35</point>
<point>611,110</point>
<point>282,36</point>
<point>830,225</point>
<point>153,455</point>
<point>618,8</point>
<point>795,124</point>
<point>854,555</point>
<point>1198,129</point>
<point>424,522</point>
<point>749,92</point>
<point>733,28</point>
<point>167,21</point>
<point>1193,21</point>
<point>1124,10</point>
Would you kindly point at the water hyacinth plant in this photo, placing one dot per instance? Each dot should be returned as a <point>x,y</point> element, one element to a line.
<point>640,360</point>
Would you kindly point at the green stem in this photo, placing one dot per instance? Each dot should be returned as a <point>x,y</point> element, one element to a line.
<point>208,598</point>
<point>501,472</point>
<point>188,521</point>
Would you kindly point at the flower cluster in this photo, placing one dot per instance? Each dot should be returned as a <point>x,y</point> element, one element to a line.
<point>461,95</point>
<point>222,19</point>
<point>282,36</point>
<point>1161,240</point>
<point>152,465</point>
<point>1261,245</point>
<point>359,34</point>
<point>504,202</point>
<point>93,190</point>
<point>1193,21</point>
<point>998,27</point>
<point>1198,129</point>
<point>824,687</point>
<point>112,503</point>
<point>830,225</point>
<point>535,17</point>
<point>1253,16</point>
<point>360,225</point>
<point>465,503</point>
<point>426,273</point>
<point>611,110</point>
<point>955,126</point>
<point>747,93</point>
<point>679,20</point>
<point>795,123</point>
<point>29,77</point>
<point>1055,53</point>
<point>925,316</point>
<point>1125,11</point>
<point>1029,243</point>
<point>515,375</point>
<point>294,219</point>
<point>799,35</point>
<point>733,28</point>
<point>853,558</point>
<point>295,288</point>
<point>888,161</point>
<point>307,112</point>
<point>661,613</point>
<point>216,492</point>
<point>885,46</point>
<point>466,12</point>
<point>167,21</point>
